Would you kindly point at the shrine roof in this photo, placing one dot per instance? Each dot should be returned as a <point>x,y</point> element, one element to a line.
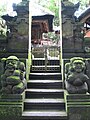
<point>41,13</point>
<point>85,16</point>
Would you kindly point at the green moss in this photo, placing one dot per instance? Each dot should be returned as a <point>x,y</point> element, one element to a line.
<point>78,106</point>
<point>13,80</point>
<point>10,103</point>
<point>20,85</point>
<point>10,112</point>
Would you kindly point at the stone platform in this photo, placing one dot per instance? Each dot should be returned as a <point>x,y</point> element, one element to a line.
<point>78,106</point>
<point>11,106</point>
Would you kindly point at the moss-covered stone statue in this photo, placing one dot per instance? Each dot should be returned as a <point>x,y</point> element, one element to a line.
<point>76,80</point>
<point>13,80</point>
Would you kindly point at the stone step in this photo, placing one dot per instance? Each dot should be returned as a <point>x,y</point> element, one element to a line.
<point>46,104</point>
<point>44,115</point>
<point>44,76</point>
<point>44,96</point>
<point>42,68</point>
<point>45,84</point>
<point>41,61</point>
<point>44,93</point>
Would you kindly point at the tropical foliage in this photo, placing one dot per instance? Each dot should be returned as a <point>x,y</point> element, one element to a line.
<point>83,3</point>
<point>2,9</point>
<point>53,5</point>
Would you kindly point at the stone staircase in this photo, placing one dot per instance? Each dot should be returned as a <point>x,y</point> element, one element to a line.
<point>44,96</point>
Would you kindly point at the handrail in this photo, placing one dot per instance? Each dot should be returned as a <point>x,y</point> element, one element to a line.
<point>28,65</point>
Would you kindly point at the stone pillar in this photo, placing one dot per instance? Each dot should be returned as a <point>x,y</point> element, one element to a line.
<point>72,30</point>
<point>18,28</point>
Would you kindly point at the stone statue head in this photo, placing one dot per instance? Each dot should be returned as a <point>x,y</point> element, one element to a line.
<point>12,62</point>
<point>78,66</point>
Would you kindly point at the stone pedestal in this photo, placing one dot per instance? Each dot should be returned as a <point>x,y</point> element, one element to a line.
<point>78,106</point>
<point>11,106</point>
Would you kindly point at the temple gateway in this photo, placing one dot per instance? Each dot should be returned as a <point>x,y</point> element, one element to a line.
<point>45,73</point>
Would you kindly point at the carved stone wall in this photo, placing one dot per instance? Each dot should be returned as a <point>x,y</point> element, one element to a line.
<point>18,28</point>
<point>72,31</point>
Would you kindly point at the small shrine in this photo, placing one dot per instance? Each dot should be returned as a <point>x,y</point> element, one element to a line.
<point>84,18</point>
<point>42,22</point>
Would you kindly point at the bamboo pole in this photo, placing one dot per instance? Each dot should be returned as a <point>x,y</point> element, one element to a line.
<point>29,60</point>
<point>60,20</point>
<point>30,20</point>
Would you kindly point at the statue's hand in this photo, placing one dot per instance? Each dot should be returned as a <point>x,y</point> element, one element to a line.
<point>13,80</point>
<point>78,82</point>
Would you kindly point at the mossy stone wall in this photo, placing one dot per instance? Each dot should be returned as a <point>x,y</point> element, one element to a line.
<point>11,107</point>
<point>78,106</point>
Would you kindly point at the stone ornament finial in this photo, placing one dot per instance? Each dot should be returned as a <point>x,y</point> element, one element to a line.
<point>69,8</point>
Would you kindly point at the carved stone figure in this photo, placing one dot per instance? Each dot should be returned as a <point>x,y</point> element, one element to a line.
<point>13,80</point>
<point>76,81</point>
